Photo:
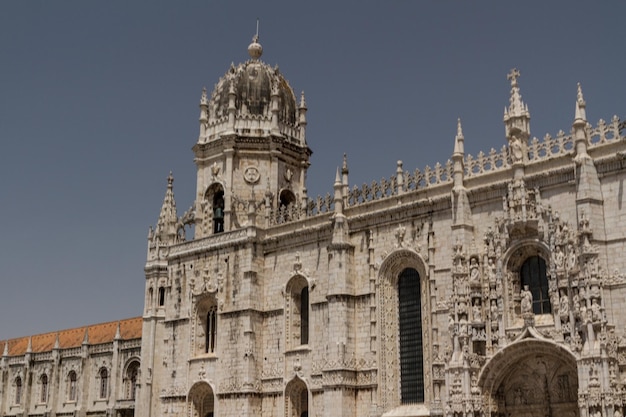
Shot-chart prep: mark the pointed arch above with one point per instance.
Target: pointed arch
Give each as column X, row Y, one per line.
column 297, row 402
column 402, row 320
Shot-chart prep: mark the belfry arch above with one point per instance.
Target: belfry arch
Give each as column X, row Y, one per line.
column 530, row 378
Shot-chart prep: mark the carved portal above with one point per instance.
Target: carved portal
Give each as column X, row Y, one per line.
column 531, row 378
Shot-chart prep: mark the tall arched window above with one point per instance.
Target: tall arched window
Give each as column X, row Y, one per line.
column 44, row 388
column 533, row 274
column 211, row 330
column 304, row 316
column 297, row 312
column 104, row 383
column 71, row 392
column 218, row 212
column 18, row 390
column 161, row 296
column 410, row 323
column 131, row 380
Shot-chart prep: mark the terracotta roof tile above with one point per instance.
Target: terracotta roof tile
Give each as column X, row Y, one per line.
column 70, row 338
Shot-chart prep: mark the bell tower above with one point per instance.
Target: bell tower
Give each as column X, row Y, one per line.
column 251, row 155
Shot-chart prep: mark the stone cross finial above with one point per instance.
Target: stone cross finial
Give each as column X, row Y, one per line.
column 512, row 76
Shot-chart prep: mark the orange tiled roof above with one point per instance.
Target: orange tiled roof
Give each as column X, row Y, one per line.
column 70, row 338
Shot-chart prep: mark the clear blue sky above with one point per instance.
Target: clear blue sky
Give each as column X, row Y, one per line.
column 99, row 101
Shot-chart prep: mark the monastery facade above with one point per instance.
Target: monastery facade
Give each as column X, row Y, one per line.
column 491, row 285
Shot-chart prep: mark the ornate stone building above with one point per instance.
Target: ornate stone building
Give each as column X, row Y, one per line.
column 491, row 285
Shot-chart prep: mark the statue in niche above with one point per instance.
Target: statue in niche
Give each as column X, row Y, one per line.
column 571, row 258
column 595, row 310
column 516, row 149
column 474, row 272
column 559, row 258
column 563, row 307
column 491, row 270
column 476, row 313
column 527, row 300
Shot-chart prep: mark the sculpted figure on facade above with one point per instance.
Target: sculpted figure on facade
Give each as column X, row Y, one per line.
column 474, row 271
column 526, row 300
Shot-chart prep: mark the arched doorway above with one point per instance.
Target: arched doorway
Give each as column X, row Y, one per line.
column 201, row 400
column 531, row 378
column 296, row 399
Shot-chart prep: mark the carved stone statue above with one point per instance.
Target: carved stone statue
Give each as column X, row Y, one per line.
column 516, row 149
column 474, row 272
column 559, row 258
column 527, row 300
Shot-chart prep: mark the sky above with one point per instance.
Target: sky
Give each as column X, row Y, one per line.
column 99, row 102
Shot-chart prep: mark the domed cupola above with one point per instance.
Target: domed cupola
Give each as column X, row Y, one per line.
column 252, row 155
column 252, row 99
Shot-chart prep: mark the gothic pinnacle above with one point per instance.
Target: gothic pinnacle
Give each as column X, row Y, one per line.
column 459, row 149
column 581, row 114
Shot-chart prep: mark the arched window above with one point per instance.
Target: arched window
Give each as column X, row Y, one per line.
column 218, row 212
column 533, row 274
column 211, row 330
column 71, row 393
column 132, row 373
column 161, row 296
column 410, row 323
column 18, row 390
column 150, row 296
column 104, row 383
column 297, row 312
column 44, row 388
column 287, row 198
column 304, row 316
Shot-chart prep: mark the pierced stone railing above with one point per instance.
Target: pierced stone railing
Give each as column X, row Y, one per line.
column 486, row 163
column 293, row 212
column 605, row 133
column 475, row 166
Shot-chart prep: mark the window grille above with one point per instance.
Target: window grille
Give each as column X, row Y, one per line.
column 411, row 353
column 304, row 316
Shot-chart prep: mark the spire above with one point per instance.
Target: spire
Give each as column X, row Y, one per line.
column 6, row 349
column 459, row 148
column 166, row 226
column 57, row 342
column 516, row 116
column 581, row 114
column 29, row 348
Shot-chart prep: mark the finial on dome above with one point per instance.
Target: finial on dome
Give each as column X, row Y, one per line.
column 255, row 50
